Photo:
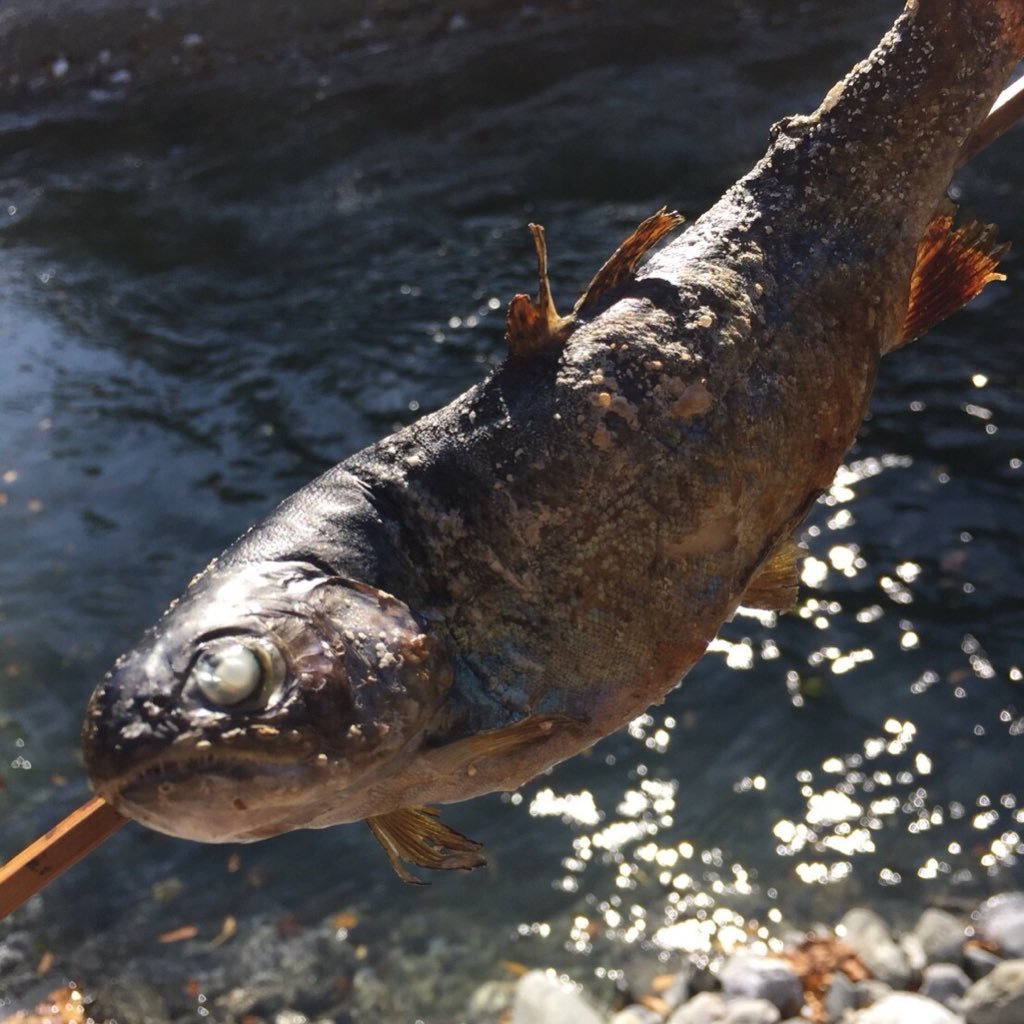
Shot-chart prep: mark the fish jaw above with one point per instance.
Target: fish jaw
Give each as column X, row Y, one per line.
column 233, row 798
column 353, row 681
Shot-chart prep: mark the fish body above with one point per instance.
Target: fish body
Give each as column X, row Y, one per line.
column 497, row 586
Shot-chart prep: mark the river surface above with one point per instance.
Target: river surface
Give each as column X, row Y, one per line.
column 231, row 257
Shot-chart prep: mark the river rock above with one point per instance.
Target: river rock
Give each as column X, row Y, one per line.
column 491, row 999
column 290, row 1017
column 17, row 955
column 872, row 941
column 998, row 998
column 637, row 1014
column 1000, row 920
column 940, row 936
column 678, row 990
column 129, row 999
column 758, row 977
column 703, row 1008
column 840, row 997
column 906, row 1008
column 978, row 961
column 751, row 1011
column 869, row 991
column 945, row 983
column 542, row 999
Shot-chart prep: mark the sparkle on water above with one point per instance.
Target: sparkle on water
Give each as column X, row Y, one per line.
column 669, row 890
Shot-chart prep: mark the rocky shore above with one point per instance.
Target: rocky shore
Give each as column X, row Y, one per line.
column 948, row 968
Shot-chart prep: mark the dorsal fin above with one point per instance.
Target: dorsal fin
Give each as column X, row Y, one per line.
column 776, row 585
column 416, row 835
column 953, row 265
column 621, row 265
column 532, row 326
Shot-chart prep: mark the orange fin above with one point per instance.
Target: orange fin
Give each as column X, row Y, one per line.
column 953, row 265
column 532, row 326
column 776, row 585
column 416, row 835
column 621, row 265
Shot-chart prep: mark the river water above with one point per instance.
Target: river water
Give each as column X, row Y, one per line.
column 231, row 254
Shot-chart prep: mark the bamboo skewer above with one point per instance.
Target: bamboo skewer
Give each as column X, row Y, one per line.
column 51, row 854
column 1007, row 110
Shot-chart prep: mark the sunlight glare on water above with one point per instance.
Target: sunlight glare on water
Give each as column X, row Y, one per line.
column 871, row 813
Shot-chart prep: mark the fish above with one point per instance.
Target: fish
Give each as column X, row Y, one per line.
column 499, row 585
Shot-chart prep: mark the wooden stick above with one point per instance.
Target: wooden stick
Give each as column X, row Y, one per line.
column 65, row 844
column 1007, row 110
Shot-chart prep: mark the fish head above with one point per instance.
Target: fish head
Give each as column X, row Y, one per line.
column 270, row 695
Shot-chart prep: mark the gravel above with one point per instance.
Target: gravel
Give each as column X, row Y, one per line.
column 855, row 973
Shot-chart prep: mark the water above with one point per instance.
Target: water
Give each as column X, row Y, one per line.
column 218, row 279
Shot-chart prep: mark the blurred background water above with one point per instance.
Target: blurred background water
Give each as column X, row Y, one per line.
column 236, row 248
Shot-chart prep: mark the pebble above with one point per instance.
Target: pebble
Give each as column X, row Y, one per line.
column 763, row 978
column 945, row 983
column 130, row 999
column 1000, row 920
column 542, row 999
column 998, row 998
column 841, row 996
column 491, row 999
column 16, row 955
column 680, row 989
column 872, row 941
column 979, row 961
column 751, row 1011
column 703, row 1008
column 290, row 1017
column 637, row 1014
column 870, row 991
column 906, row 1008
column 940, row 935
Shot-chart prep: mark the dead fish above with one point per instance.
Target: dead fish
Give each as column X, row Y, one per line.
column 509, row 579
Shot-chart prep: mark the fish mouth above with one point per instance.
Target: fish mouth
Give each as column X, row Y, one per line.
column 218, row 797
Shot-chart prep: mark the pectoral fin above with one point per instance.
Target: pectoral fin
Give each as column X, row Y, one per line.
column 462, row 754
column 417, row 835
column 953, row 265
column 776, row 585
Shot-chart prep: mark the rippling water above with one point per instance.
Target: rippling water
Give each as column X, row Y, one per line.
column 215, row 283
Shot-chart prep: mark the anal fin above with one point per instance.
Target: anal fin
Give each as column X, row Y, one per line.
column 416, row 835
column 776, row 586
column 953, row 265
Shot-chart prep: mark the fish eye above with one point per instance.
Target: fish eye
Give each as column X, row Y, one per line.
column 231, row 672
